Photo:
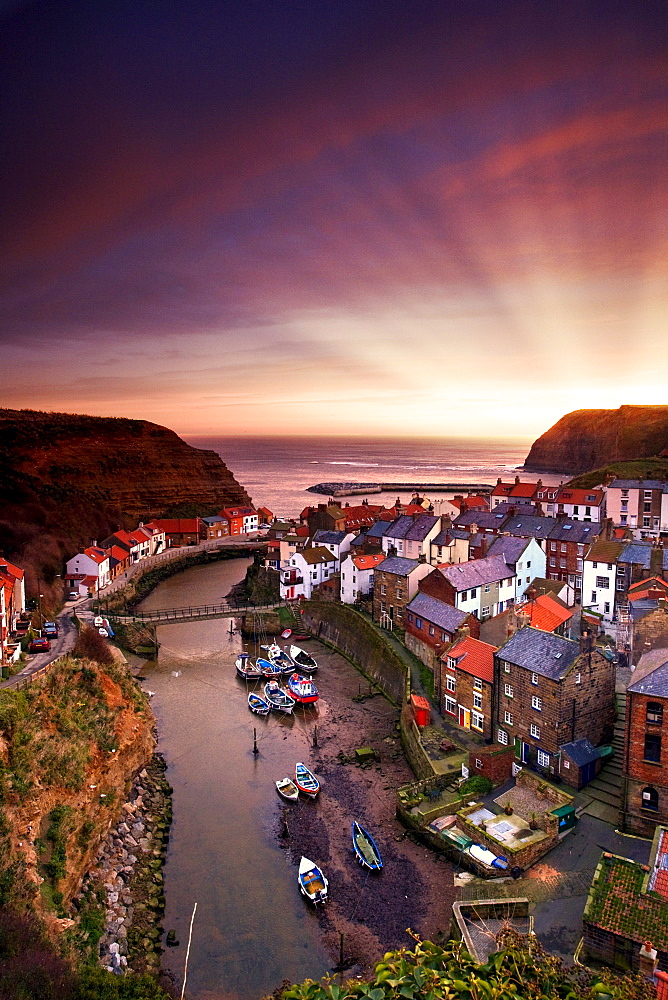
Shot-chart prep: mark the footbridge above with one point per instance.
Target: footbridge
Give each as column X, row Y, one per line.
column 172, row 616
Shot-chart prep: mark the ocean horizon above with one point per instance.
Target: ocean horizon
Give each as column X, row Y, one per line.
column 277, row 471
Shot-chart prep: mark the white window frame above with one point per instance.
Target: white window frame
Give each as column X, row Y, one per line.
column 537, row 703
column 502, row 738
column 534, row 678
column 507, row 718
column 543, row 759
column 477, row 720
column 534, row 730
column 508, row 691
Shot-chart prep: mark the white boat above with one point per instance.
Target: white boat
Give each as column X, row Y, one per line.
column 247, row 670
column 303, row 660
column 305, row 780
column 287, row 788
column 279, row 699
column 278, row 656
column 312, row 881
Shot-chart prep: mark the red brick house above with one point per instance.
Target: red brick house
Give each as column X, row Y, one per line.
column 180, row 530
column 645, row 767
column 329, row 517
column 241, row 520
column 467, row 681
column 431, row 625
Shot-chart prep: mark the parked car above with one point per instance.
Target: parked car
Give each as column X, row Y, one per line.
column 39, row 646
column 73, row 595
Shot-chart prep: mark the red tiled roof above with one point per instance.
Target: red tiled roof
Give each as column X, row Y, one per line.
column 469, row 503
column 661, row 883
column 473, row 656
column 647, row 584
column 11, row 569
column 369, row 562
column 97, row 555
column 178, row 525
column 118, row 553
column 545, row 613
column 567, row 494
column 523, row 490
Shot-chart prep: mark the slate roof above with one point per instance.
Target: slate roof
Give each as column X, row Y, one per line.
column 508, row 507
column 398, row 565
column 651, row 675
column 377, row 530
column 541, row 652
column 640, row 484
column 581, row 752
column 487, row 519
column 421, row 527
column 476, row 572
column 437, row 612
column 529, row 526
column 508, row 547
column 567, row 530
column 638, row 554
column 333, row 537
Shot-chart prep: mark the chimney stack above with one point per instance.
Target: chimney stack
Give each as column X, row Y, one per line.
column 647, row 960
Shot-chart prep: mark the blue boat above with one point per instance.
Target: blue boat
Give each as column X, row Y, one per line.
column 365, row 848
column 258, row 704
column 267, row 668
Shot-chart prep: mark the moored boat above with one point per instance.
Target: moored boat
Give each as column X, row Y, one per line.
column 279, row 699
column 302, row 689
column 312, row 881
column 287, row 788
column 365, row 848
column 268, row 668
column 303, row 660
column 305, row 780
column 257, row 704
column 280, row 658
column 245, row 669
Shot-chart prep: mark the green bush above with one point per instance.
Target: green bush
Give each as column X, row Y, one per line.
column 476, row 785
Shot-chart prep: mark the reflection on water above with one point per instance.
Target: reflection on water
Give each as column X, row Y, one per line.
column 252, row 929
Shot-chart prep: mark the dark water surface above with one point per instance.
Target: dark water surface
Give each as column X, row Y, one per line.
column 252, row 929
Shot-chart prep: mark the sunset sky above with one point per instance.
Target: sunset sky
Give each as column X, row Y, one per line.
column 336, row 216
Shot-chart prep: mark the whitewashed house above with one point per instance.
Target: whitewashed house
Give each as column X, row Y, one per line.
column 357, row 575
column 524, row 555
column 338, row 542
column 88, row 570
column 305, row 571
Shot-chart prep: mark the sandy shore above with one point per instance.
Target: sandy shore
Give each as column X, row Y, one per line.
column 415, row 888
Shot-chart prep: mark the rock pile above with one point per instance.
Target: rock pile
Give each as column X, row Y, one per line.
column 128, row 868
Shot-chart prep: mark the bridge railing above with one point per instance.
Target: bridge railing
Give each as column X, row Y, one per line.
column 197, row 611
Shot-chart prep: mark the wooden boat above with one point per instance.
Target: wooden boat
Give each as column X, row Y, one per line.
column 306, row 781
column 287, row 788
column 279, row 699
column 280, row 657
column 267, row 668
column 245, row 669
column 312, row 881
column 303, row 660
column 302, row 689
column 365, row 848
column 257, row 704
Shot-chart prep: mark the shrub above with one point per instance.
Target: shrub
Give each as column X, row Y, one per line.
column 90, row 645
column 476, row 785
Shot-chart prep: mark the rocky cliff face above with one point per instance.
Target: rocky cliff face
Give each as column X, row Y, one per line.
column 588, row 439
column 67, row 479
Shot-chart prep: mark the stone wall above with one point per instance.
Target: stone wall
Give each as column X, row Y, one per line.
column 355, row 638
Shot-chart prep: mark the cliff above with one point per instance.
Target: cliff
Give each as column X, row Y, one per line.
column 66, row 479
column 588, row 439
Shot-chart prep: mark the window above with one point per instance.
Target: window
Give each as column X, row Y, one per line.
column 562, row 564
column 507, row 718
column 534, row 678
column 418, row 622
column 450, row 706
column 654, row 713
column 383, row 589
column 478, row 764
column 553, row 562
column 477, row 684
column 652, row 751
column 502, row 737
column 506, row 668
column 646, row 522
column 650, row 799
column 564, row 547
column 431, row 630
column 537, row 703
column 410, row 616
column 383, row 608
column 399, row 593
column 465, row 594
column 595, row 564
column 593, row 597
column 602, row 582
column 508, row 690
column 451, row 683
column 477, row 700
column 543, row 759
column 473, row 593
column 578, row 678
column 477, row 720
column 606, row 608
column 553, row 546
column 567, row 764
column 535, row 731
column 485, row 612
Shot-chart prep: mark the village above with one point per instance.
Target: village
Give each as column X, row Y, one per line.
column 534, row 624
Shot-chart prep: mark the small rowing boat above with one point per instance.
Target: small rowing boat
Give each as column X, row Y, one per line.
column 306, row 781
column 278, row 698
column 303, row 660
column 268, row 668
column 245, row 669
column 365, row 848
column 312, row 881
column 280, row 657
column 302, row 689
column 257, row 704
column 287, row 788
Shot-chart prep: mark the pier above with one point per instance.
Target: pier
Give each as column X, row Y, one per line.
column 355, row 489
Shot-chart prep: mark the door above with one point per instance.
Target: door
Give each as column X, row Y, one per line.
column 464, row 717
column 587, row 773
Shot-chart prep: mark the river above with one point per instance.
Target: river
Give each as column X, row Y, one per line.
column 252, row 929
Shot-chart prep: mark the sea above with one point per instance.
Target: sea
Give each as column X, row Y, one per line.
column 277, row 471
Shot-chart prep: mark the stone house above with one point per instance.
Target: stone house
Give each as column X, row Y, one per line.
column 328, row 517
column 395, row 585
column 466, row 684
column 565, row 549
column 645, row 766
column 215, row 527
column 517, row 492
column 431, row 625
column 550, row 691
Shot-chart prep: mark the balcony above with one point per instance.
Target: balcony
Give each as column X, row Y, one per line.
column 291, row 579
